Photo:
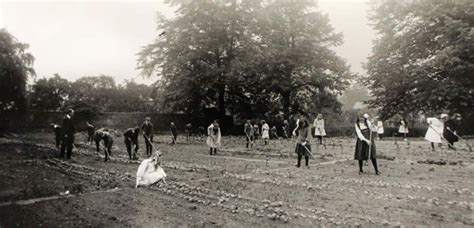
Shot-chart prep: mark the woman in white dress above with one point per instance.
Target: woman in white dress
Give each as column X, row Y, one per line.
column 265, row 132
column 319, row 130
column 213, row 138
column 435, row 130
column 150, row 172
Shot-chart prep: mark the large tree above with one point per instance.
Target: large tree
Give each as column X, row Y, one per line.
column 245, row 57
column 50, row 93
column 16, row 65
column 423, row 58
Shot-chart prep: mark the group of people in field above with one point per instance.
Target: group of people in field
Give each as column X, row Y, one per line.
column 442, row 128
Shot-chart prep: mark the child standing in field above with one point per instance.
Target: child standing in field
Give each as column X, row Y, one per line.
column 434, row 134
column 256, row 131
column 187, row 130
column 303, row 148
column 319, row 130
column 365, row 145
column 213, row 138
column 285, row 128
column 403, row 128
column 57, row 134
column 265, row 132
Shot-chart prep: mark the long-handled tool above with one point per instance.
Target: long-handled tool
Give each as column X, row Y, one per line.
column 461, row 139
column 441, row 135
column 151, row 143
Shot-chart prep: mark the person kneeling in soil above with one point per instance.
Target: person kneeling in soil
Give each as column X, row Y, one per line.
column 303, row 148
column 213, row 138
column 150, row 171
column 131, row 140
column 365, row 144
column 108, row 141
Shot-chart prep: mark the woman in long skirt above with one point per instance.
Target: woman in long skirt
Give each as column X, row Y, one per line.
column 450, row 130
column 365, row 144
column 303, row 148
column 213, row 138
column 319, row 130
column 434, row 134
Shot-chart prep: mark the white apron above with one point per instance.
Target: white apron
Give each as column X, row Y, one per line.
column 435, row 130
column 319, row 127
column 213, row 140
column 265, row 131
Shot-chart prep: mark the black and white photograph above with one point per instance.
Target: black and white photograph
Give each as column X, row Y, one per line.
column 236, row 113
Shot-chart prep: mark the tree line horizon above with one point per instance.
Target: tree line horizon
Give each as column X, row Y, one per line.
column 273, row 58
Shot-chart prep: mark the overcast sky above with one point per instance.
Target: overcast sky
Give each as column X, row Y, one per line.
column 78, row 38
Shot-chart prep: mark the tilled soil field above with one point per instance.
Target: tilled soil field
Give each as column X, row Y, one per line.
column 237, row 188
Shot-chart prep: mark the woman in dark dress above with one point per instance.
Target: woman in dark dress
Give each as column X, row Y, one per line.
column 365, row 142
column 450, row 130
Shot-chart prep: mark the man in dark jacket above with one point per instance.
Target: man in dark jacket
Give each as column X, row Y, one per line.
column 131, row 140
column 67, row 135
column 108, row 142
column 174, row 133
column 147, row 128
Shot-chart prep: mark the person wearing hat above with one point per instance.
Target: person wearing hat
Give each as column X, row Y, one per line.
column 434, row 134
column 450, row 129
column 365, row 143
column 403, row 128
column 67, row 138
column 213, row 137
column 249, row 134
column 147, row 131
column 131, row 140
column 319, row 130
column 265, row 132
column 303, row 148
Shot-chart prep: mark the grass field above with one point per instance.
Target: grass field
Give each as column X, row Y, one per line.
column 239, row 187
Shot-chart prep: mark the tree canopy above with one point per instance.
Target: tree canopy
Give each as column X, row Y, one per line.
column 423, row 58
column 246, row 58
column 16, row 65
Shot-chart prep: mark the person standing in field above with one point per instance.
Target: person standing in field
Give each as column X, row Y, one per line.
column 303, row 148
column 131, row 142
column 380, row 130
column 213, row 137
column 365, row 145
column 450, row 130
column 403, row 128
column 256, row 132
column 67, row 138
column 249, row 134
column 147, row 131
column 174, row 133
column 57, row 134
column 434, row 134
column 286, row 129
column 265, row 132
column 319, row 130
column 90, row 132
column 187, row 130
